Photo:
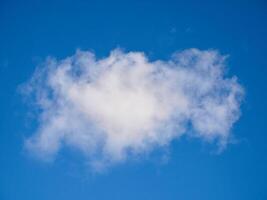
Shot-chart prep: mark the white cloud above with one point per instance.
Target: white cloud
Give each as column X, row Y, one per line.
column 124, row 105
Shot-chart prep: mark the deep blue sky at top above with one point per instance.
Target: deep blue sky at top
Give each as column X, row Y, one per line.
column 32, row 30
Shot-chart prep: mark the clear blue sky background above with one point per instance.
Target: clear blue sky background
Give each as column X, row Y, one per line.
column 32, row 30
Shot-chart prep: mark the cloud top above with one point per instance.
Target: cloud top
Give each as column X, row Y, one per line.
column 124, row 105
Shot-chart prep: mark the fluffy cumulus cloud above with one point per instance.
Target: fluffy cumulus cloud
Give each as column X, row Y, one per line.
column 124, row 105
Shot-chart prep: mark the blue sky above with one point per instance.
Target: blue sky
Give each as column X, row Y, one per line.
column 31, row 31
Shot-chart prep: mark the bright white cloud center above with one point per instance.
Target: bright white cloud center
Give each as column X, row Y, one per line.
column 125, row 105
